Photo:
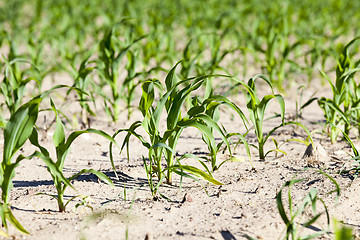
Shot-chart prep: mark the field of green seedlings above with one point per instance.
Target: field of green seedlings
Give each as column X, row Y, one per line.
column 217, row 100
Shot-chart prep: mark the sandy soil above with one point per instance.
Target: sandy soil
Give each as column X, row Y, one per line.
column 245, row 205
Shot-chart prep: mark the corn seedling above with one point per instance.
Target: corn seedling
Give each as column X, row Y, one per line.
column 257, row 109
column 17, row 131
column 82, row 82
column 164, row 145
column 111, row 56
column 62, row 147
column 295, row 211
column 14, row 83
column 340, row 110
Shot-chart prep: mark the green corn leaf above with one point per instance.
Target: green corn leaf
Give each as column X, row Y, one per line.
column 195, row 110
column 264, row 103
column 202, row 127
column 280, row 204
column 281, row 208
column 308, row 103
column 130, row 132
column 19, row 128
column 52, row 168
column 172, row 136
column 170, row 80
column 331, row 104
column 344, row 63
column 160, row 106
column 200, row 159
column 99, row 174
column 197, row 172
column 337, row 187
column 76, row 134
column 162, row 145
column 333, row 88
column 313, row 236
column 309, row 199
column 229, row 103
column 312, row 220
column 8, row 173
column 252, row 80
column 211, row 123
column 47, row 92
column 54, row 196
column 6, row 213
column 243, row 140
column 63, row 149
column 59, row 134
column 290, row 123
column 275, row 150
column 178, row 102
column 147, row 97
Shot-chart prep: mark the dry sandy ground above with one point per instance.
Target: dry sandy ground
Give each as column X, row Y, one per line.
column 245, row 205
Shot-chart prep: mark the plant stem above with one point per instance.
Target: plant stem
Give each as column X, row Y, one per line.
column 61, row 204
column 261, row 150
column 169, row 172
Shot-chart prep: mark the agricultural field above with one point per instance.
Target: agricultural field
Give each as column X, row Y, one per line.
column 180, row 119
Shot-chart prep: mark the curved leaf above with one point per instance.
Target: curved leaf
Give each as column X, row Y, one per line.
column 197, row 172
column 52, row 168
column 99, row 174
column 19, row 128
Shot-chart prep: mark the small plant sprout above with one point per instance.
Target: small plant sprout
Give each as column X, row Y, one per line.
column 257, row 107
column 109, row 66
column 297, row 211
column 18, row 129
column 83, row 81
column 62, row 147
column 13, row 86
column 343, row 109
column 163, row 145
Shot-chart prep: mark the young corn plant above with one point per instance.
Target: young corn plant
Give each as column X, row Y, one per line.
column 343, row 109
column 112, row 54
column 15, row 81
column 163, row 145
column 83, row 81
column 296, row 211
column 17, row 131
column 257, row 107
column 62, row 147
column 211, row 107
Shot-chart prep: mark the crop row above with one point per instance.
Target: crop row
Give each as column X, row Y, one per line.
column 170, row 59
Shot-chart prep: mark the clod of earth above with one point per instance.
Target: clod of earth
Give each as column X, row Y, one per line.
column 187, row 198
column 316, row 155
